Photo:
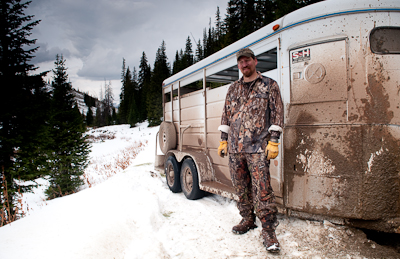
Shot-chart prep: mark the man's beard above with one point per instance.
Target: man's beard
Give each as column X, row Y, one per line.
column 247, row 72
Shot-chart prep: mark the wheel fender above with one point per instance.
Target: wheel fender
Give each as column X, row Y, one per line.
column 201, row 160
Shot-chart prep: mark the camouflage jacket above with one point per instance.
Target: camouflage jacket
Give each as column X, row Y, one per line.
column 250, row 109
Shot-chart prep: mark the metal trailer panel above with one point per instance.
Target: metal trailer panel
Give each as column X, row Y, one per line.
column 213, row 140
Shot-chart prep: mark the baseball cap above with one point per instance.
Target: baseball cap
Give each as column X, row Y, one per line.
column 244, row 52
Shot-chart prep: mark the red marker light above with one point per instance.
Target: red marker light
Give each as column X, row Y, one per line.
column 276, row 26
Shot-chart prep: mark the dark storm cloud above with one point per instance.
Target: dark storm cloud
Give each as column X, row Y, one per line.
column 96, row 35
column 44, row 54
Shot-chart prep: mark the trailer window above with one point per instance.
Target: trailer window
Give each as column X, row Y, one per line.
column 267, row 61
column 167, row 97
column 385, row 40
column 223, row 77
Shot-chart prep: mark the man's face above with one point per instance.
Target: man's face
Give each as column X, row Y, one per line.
column 247, row 65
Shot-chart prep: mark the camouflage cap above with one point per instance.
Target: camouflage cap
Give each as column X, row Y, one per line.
column 244, row 52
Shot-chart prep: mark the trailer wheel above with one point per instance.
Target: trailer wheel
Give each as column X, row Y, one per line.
column 167, row 136
column 172, row 171
column 190, row 180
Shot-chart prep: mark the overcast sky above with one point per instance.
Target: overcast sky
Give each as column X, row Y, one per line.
column 94, row 35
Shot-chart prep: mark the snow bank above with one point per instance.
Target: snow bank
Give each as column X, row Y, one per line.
column 133, row 214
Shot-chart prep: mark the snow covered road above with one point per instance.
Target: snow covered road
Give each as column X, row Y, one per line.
column 134, row 215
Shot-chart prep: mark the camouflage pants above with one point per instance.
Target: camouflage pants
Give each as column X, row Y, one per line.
column 252, row 181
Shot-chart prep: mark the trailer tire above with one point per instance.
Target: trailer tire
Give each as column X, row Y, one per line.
column 167, row 136
column 190, row 180
column 172, row 171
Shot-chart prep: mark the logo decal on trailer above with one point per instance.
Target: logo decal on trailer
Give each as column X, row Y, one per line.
column 315, row 73
column 301, row 55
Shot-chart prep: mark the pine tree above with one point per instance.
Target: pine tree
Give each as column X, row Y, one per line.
column 160, row 73
column 188, row 55
column 89, row 100
column 124, row 102
column 68, row 145
column 108, row 103
column 177, row 64
column 114, row 115
column 23, row 105
column 144, row 78
column 246, row 16
column 131, row 95
column 218, row 25
column 136, row 100
column 241, row 19
column 211, row 39
column 122, row 112
column 205, row 45
column 128, row 109
column 98, row 118
column 199, row 51
column 89, row 117
column 132, row 115
column 123, row 70
column 209, row 44
column 249, row 19
column 233, row 20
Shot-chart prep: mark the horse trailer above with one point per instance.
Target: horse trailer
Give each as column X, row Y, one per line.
column 337, row 65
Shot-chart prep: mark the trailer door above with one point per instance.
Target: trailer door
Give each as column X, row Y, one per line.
column 315, row 118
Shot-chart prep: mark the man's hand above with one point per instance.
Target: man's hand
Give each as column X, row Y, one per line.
column 223, row 148
column 272, row 150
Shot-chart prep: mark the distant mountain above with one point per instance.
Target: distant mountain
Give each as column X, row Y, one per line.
column 85, row 101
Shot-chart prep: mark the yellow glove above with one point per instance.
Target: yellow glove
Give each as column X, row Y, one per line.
column 223, row 148
column 272, row 150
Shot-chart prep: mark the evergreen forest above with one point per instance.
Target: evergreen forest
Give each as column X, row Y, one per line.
column 140, row 97
column 41, row 126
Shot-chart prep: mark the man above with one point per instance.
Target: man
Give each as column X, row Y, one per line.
column 250, row 128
